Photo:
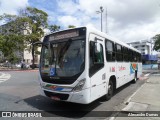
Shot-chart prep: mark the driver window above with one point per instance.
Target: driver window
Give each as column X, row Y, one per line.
column 45, row 60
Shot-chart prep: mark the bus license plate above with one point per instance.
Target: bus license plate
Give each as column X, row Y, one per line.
column 55, row 98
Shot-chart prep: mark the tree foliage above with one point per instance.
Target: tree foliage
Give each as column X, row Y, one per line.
column 54, row 28
column 10, row 44
column 7, row 17
column 71, row 26
column 24, row 29
column 156, row 38
column 37, row 20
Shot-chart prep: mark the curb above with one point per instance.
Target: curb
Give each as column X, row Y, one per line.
column 18, row 70
column 129, row 99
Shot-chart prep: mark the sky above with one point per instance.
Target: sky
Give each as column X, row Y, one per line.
column 127, row 20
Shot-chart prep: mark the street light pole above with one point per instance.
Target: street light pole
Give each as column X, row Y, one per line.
column 101, row 8
column 101, row 11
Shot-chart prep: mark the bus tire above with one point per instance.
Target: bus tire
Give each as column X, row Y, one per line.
column 110, row 90
column 135, row 78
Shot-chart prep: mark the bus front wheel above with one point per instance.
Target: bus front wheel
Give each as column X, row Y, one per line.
column 110, row 90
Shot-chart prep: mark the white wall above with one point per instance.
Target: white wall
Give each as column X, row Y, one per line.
column 28, row 57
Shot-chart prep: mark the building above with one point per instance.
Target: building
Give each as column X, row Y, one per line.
column 144, row 46
column 146, row 49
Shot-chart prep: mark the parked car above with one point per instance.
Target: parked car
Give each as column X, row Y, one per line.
column 24, row 65
column 18, row 65
column 27, row 66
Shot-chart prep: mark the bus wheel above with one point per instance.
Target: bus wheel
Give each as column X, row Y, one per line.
column 110, row 90
column 135, row 77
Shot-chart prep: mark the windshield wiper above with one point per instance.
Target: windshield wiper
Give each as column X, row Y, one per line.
column 64, row 50
column 59, row 56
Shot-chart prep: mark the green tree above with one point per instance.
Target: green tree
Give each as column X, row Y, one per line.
column 8, row 17
column 31, row 20
column 11, row 37
column 54, row 28
column 1, row 42
column 71, row 26
column 10, row 44
column 37, row 22
column 13, row 58
column 156, row 38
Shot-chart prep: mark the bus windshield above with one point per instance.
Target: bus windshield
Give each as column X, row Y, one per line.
column 66, row 58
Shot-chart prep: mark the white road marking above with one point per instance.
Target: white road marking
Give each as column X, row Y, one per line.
column 146, row 75
column 4, row 77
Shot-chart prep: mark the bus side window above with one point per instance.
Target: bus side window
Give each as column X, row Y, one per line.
column 130, row 55
column 96, row 57
column 135, row 57
column 119, row 52
column 110, row 53
column 126, row 57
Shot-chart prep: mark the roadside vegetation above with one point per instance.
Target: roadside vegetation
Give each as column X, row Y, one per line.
column 22, row 31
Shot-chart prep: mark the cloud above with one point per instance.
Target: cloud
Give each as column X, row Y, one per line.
column 138, row 32
column 126, row 20
column 135, row 12
column 12, row 6
column 74, row 13
column 70, row 7
column 69, row 20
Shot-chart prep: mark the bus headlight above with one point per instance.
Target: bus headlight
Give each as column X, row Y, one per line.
column 42, row 84
column 80, row 85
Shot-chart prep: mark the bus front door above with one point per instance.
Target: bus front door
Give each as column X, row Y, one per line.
column 97, row 67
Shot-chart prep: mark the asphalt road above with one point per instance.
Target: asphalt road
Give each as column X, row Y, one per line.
column 21, row 93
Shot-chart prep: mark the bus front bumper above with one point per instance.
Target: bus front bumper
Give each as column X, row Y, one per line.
column 82, row 96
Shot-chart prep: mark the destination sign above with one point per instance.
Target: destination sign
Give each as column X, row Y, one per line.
column 64, row 34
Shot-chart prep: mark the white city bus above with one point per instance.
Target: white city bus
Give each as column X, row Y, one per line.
column 83, row 64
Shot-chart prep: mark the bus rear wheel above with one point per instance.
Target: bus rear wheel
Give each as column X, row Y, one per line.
column 110, row 90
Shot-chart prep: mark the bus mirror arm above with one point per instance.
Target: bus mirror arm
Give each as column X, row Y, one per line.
column 33, row 50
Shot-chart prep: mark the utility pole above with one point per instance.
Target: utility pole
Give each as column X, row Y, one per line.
column 106, row 21
column 101, row 11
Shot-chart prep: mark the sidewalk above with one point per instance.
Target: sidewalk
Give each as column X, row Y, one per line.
column 151, row 71
column 145, row 101
column 17, row 69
